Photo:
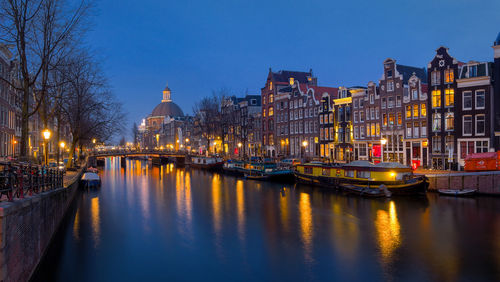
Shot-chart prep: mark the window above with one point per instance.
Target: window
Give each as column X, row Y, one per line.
column 372, row 129
column 423, row 129
column 398, row 101
column 384, row 117
column 264, row 112
column 480, row 125
column 408, row 130
column 436, row 77
column 400, row 119
column 377, row 113
column 292, row 80
column 436, row 122
column 406, row 94
column 355, row 103
column 467, row 100
column 326, row 133
column 390, row 86
column 372, row 100
column 362, row 132
column 372, row 113
column 466, row 148
column 361, row 103
column 361, row 116
column 390, row 102
column 436, row 144
column 448, row 76
column 415, row 129
column 263, row 100
column 377, row 127
column 449, row 143
column 271, row 98
column 330, row 117
column 436, row 98
column 415, row 111
column 367, row 116
column 355, row 117
column 389, row 73
column 423, row 110
column 368, row 130
column 341, row 135
column 391, row 119
column 449, row 97
column 482, row 146
column 356, row 132
column 467, row 125
column 449, row 119
column 414, row 94
column 383, row 103
column 480, row 99
column 271, row 111
column 270, row 87
column 347, row 113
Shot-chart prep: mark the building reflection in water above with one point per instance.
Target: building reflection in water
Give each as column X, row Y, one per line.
column 96, row 220
column 240, row 204
column 345, row 229
column 306, row 225
column 388, row 232
column 184, row 201
column 76, row 225
column 284, row 213
column 216, row 203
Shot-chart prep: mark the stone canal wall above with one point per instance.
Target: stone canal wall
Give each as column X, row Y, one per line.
column 27, row 227
column 484, row 182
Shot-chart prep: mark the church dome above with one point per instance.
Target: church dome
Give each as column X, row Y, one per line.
column 167, row 107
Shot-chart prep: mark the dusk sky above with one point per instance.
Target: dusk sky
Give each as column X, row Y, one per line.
column 200, row 46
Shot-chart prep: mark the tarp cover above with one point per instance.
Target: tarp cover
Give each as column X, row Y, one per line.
column 488, row 155
column 90, row 176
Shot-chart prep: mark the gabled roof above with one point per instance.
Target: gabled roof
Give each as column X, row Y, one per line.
column 319, row 91
column 284, row 76
column 407, row 72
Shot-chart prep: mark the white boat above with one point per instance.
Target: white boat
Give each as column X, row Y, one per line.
column 91, row 179
column 457, row 193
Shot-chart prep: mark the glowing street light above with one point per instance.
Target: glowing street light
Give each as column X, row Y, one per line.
column 93, row 141
column 304, row 143
column 187, row 140
column 46, row 136
column 62, row 145
column 239, row 145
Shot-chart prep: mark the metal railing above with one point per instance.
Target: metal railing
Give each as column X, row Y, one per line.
column 20, row 179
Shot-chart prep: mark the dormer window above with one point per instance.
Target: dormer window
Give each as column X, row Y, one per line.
column 389, row 73
column 292, row 80
column 270, row 85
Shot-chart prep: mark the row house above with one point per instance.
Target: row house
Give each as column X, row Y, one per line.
column 249, row 109
column 274, row 83
column 496, row 91
column 342, row 134
column 442, row 72
column 10, row 106
column 326, row 127
column 474, row 110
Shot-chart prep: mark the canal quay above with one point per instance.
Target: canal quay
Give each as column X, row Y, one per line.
column 157, row 223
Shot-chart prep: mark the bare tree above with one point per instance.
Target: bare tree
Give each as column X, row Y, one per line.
column 135, row 134
column 41, row 31
column 89, row 107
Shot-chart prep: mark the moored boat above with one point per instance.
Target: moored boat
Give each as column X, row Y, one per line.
column 234, row 167
column 209, row 163
column 256, row 175
column 398, row 179
column 457, row 193
column 91, row 180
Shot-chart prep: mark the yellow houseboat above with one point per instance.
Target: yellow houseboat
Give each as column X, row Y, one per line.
column 398, row 179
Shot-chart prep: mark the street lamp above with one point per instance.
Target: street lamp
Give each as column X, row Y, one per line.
column 46, row 135
column 304, row 144
column 62, row 145
column 383, row 141
column 93, row 141
column 187, row 140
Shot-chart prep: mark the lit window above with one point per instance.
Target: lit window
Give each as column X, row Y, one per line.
column 270, row 86
column 408, row 112
column 448, row 76
column 391, row 119
column 373, row 129
column 436, row 144
column 271, row 98
column 449, row 97
column 378, row 129
column 415, row 111
column 449, row 121
column 271, row 111
column 436, row 98
column 400, row 119
column 292, row 80
column 385, row 119
column 467, row 100
column 480, row 99
column 423, row 110
column 264, row 112
column 449, row 143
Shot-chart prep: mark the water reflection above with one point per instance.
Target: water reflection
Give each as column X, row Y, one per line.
column 388, row 232
column 184, row 224
column 306, row 225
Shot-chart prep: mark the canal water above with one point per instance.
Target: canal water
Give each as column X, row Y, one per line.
column 157, row 224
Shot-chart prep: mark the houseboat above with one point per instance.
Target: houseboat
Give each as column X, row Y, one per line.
column 209, row 163
column 399, row 179
column 234, row 167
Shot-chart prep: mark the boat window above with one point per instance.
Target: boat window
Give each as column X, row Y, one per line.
column 326, row 171
column 363, row 174
column 308, row 170
column 349, row 173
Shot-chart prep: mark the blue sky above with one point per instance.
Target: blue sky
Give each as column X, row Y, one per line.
column 200, row 46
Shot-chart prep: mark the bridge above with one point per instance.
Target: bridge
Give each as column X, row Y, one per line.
column 157, row 156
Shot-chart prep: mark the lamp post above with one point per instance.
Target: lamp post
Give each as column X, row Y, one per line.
column 46, row 136
column 239, row 149
column 14, row 148
column 62, row 145
column 383, row 141
column 304, row 145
